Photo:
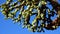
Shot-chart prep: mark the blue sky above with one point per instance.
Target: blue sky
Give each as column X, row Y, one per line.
column 7, row 26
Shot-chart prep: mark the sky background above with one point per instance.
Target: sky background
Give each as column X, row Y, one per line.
column 7, row 26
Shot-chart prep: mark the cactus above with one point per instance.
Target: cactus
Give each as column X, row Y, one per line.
column 10, row 9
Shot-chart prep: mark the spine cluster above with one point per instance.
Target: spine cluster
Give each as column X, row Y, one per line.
column 10, row 9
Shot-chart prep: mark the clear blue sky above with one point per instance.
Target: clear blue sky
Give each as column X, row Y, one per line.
column 7, row 26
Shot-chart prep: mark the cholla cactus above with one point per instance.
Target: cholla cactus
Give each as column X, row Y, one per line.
column 10, row 9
